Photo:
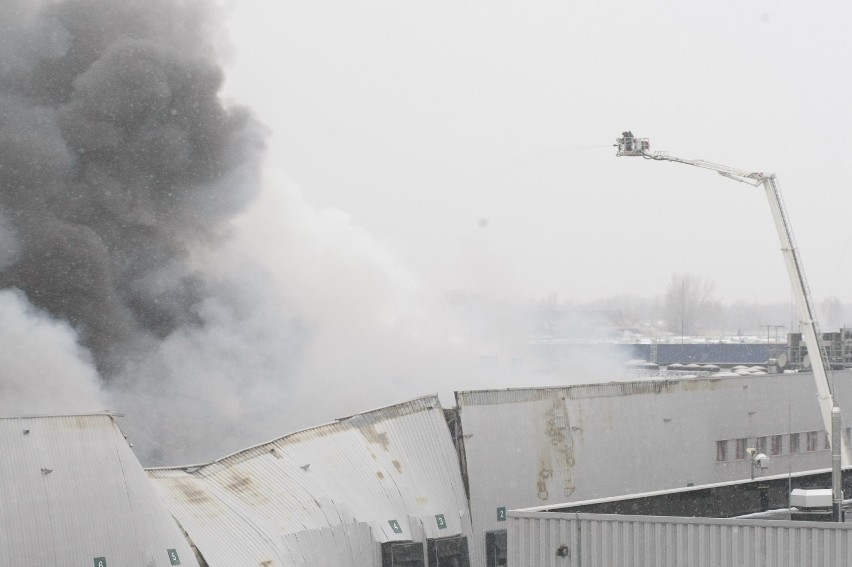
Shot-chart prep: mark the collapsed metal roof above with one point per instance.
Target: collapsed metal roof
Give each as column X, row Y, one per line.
column 73, row 493
column 326, row 495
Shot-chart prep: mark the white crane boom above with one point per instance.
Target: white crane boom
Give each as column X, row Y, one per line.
column 628, row 145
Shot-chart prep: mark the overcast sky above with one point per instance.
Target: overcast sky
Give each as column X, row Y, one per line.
column 474, row 140
column 413, row 149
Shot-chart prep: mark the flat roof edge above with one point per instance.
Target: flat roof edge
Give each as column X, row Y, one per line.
column 107, row 413
column 278, row 438
column 581, row 516
column 679, row 490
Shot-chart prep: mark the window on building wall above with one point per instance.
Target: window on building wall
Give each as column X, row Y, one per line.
column 775, row 446
column 811, row 441
column 741, row 448
column 794, row 443
column 721, row 450
column 761, row 445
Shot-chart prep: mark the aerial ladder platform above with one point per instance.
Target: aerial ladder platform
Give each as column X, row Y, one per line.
column 629, row 145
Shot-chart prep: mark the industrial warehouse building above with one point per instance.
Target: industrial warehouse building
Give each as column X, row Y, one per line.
column 406, row 485
column 546, row 446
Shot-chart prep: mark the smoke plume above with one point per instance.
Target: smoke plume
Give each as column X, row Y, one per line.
column 118, row 163
column 125, row 185
column 147, row 267
column 32, row 382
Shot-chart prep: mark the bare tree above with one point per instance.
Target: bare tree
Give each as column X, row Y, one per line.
column 688, row 305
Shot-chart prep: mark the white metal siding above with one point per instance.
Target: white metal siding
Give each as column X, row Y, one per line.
column 538, row 446
column 276, row 499
column 71, row 490
column 595, row 540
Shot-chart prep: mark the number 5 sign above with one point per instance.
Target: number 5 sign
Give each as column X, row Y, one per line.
column 100, row 562
column 173, row 556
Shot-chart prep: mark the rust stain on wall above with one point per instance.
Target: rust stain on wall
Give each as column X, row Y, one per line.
column 192, row 493
column 556, row 454
column 245, row 487
column 375, row 437
column 75, row 422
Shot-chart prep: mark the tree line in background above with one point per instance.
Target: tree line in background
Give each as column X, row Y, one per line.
column 688, row 307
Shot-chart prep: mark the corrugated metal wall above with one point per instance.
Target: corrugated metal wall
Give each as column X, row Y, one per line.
column 544, row 539
column 328, row 495
column 73, row 493
column 547, row 446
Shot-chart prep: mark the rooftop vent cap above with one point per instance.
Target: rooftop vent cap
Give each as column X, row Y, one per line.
column 811, row 498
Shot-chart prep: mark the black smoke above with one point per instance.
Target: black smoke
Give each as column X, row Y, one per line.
column 119, row 162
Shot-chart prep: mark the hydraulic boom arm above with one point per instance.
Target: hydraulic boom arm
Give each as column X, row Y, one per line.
column 628, row 145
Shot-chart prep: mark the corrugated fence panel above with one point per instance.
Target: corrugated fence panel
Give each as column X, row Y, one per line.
column 592, row 540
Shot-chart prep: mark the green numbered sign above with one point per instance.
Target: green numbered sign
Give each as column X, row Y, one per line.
column 397, row 529
column 100, row 562
column 173, row 556
column 442, row 523
column 501, row 514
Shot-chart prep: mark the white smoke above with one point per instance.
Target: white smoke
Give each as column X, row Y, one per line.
column 309, row 318
column 43, row 370
column 220, row 310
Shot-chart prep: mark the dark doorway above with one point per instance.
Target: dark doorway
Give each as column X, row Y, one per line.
column 448, row 552
column 495, row 549
column 402, row 554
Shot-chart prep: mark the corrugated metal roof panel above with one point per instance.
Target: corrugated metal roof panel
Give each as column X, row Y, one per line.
column 72, row 491
column 216, row 523
column 393, row 469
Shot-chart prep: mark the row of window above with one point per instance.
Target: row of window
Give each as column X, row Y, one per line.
column 774, row 445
